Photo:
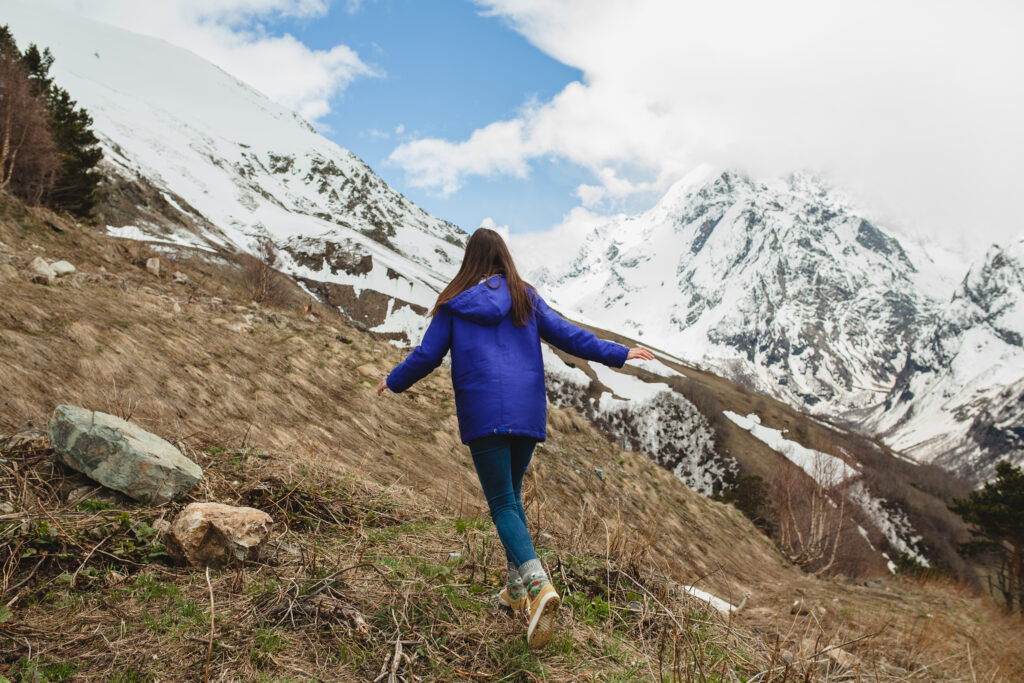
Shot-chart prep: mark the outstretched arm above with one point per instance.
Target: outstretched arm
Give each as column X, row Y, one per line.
column 555, row 330
column 424, row 357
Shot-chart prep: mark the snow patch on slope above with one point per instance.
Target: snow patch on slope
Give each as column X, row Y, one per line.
column 827, row 470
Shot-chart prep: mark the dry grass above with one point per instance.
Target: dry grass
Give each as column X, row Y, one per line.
column 370, row 497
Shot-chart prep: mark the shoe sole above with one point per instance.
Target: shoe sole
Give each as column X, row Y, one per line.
column 542, row 624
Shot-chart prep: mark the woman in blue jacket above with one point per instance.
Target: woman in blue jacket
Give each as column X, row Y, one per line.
column 493, row 323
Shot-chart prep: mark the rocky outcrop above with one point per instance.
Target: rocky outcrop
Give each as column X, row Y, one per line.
column 121, row 455
column 216, row 535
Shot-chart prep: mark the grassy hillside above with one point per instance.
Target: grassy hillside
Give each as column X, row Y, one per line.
column 383, row 563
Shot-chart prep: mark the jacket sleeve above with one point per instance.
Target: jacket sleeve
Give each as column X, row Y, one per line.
column 426, row 356
column 575, row 340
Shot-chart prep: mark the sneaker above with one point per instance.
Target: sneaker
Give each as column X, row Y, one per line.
column 542, row 616
column 508, row 601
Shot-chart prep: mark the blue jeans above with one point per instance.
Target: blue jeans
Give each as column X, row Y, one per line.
column 501, row 462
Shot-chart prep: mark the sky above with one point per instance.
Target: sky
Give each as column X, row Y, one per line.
column 530, row 115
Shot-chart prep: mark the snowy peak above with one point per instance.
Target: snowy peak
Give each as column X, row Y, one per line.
column 992, row 294
column 782, row 277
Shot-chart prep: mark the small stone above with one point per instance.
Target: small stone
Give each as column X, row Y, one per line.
column 600, row 473
column 121, row 455
column 115, row 578
column 216, row 301
column 61, row 268
column 215, row 535
column 239, row 309
column 176, row 307
column 153, row 266
column 42, row 271
column 6, row 508
column 219, row 321
column 179, row 278
column 369, row 370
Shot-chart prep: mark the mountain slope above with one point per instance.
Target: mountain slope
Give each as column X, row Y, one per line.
column 196, row 157
column 381, row 542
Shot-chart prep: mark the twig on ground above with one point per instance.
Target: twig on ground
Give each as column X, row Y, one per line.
column 209, row 645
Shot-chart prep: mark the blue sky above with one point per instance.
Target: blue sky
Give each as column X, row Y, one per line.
column 448, row 70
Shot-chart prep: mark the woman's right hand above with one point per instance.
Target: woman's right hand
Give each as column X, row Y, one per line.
column 641, row 353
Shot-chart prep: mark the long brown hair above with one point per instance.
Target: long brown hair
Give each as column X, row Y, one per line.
column 487, row 255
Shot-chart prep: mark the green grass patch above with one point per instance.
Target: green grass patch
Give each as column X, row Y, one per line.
column 93, row 505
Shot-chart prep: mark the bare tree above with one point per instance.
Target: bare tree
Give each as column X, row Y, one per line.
column 262, row 279
column 810, row 516
column 28, row 156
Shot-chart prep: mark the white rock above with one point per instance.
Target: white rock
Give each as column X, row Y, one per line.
column 62, row 268
column 42, row 271
column 180, row 277
column 153, row 266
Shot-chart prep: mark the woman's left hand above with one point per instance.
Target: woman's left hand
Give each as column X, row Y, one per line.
column 641, row 353
column 382, row 385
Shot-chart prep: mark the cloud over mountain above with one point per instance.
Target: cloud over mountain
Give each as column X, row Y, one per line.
column 915, row 108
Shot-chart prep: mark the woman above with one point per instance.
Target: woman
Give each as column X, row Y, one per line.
column 493, row 323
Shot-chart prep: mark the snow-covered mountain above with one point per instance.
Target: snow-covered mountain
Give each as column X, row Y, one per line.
column 959, row 401
column 199, row 158
column 790, row 288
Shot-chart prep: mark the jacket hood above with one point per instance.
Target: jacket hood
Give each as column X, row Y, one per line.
column 485, row 304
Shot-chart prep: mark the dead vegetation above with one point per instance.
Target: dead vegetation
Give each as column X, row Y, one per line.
column 383, row 563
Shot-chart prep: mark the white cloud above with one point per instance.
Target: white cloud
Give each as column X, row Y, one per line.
column 561, row 244
column 233, row 34
column 914, row 107
column 442, row 165
column 502, row 230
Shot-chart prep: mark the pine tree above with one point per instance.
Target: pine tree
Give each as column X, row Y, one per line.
column 996, row 516
column 79, row 150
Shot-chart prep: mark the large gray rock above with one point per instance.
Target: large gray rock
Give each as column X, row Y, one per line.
column 121, row 455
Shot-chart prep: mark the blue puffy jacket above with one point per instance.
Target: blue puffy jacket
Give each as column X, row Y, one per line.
column 497, row 368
